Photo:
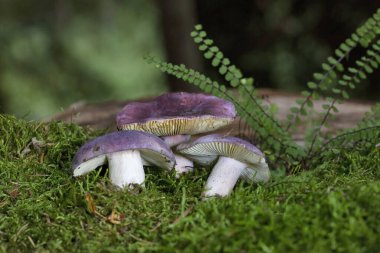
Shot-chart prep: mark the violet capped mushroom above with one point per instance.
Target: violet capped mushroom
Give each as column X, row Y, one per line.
column 126, row 153
column 175, row 116
column 235, row 158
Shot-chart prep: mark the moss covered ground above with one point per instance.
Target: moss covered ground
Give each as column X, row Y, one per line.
column 332, row 208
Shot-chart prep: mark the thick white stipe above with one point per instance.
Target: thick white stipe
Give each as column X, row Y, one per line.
column 183, row 165
column 174, row 140
column 223, row 177
column 126, row 168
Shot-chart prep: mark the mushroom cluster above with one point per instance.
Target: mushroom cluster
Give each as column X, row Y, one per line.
column 175, row 117
column 160, row 132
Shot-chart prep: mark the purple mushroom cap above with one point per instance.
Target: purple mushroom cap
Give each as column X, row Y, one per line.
column 209, row 147
column 177, row 113
column 152, row 148
column 206, row 150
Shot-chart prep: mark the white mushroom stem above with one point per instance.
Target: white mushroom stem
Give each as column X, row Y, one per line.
column 261, row 172
column 126, row 168
column 174, row 140
column 183, row 165
column 223, row 177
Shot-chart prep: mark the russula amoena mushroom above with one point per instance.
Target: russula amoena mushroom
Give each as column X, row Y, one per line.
column 235, row 158
column 126, row 153
column 175, row 116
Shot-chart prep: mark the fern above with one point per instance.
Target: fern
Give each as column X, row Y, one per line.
column 355, row 75
column 334, row 84
column 365, row 136
column 264, row 123
column 334, row 70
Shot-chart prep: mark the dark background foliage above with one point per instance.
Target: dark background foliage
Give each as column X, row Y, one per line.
column 55, row 53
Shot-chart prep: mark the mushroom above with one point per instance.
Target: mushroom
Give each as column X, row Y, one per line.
column 175, row 116
column 235, row 158
column 126, row 153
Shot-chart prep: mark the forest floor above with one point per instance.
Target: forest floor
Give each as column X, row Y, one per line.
column 334, row 207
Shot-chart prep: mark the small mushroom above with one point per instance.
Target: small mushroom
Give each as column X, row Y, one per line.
column 235, row 158
column 126, row 153
column 175, row 116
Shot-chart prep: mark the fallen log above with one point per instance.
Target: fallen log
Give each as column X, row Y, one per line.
column 102, row 115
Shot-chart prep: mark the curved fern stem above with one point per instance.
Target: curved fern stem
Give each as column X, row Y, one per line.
column 318, row 131
column 344, row 135
column 216, row 57
column 262, row 109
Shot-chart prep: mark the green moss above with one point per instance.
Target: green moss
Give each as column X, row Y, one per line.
column 335, row 207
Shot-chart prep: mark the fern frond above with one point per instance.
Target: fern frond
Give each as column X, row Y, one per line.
column 361, row 138
column 333, row 83
column 371, row 118
column 369, row 134
column 268, row 126
column 333, row 68
column 355, row 75
column 365, row 136
column 230, row 72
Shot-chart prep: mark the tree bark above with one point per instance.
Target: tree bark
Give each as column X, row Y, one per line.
column 178, row 18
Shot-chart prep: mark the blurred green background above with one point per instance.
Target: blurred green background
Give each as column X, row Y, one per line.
column 55, row 53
